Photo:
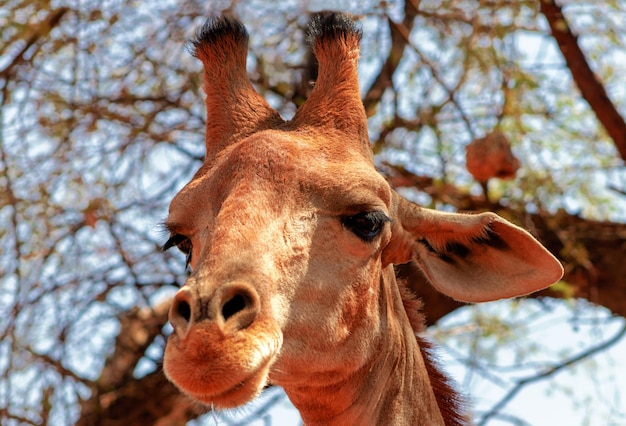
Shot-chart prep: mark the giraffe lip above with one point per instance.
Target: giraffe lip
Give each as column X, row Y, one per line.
column 243, row 391
column 222, row 370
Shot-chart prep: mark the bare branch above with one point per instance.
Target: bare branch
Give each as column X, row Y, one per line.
column 35, row 33
column 590, row 87
column 550, row 371
column 138, row 329
column 399, row 41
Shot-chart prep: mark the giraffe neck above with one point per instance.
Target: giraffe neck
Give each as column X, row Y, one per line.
column 390, row 387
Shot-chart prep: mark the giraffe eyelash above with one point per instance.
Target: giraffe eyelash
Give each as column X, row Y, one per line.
column 183, row 244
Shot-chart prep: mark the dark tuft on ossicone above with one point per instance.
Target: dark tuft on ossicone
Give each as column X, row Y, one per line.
column 332, row 25
column 218, row 29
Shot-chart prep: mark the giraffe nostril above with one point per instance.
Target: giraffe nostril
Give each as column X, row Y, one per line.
column 181, row 312
column 236, row 304
column 184, row 310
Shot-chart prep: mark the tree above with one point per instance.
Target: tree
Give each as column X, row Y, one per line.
column 102, row 121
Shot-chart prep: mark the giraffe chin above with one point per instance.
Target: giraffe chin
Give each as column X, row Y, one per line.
column 221, row 371
column 243, row 392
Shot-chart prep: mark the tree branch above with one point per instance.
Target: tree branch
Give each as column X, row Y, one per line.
column 36, row 32
column 118, row 397
column 399, row 41
column 550, row 371
column 591, row 89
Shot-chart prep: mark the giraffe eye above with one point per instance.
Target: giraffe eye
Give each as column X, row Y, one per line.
column 366, row 225
column 182, row 243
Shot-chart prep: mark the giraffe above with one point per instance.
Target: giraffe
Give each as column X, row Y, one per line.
column 292, row 235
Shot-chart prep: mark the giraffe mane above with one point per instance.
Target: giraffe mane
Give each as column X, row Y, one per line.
column 451, row 404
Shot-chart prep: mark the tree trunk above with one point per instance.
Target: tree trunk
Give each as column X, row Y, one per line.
column 590, row 87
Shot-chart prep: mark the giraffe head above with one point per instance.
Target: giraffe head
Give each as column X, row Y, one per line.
column 292, row 234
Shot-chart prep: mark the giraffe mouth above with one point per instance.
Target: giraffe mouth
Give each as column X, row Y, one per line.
column 241, row 393
column 221, row 370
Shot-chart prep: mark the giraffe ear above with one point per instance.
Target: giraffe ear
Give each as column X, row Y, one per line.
column 470, row 257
